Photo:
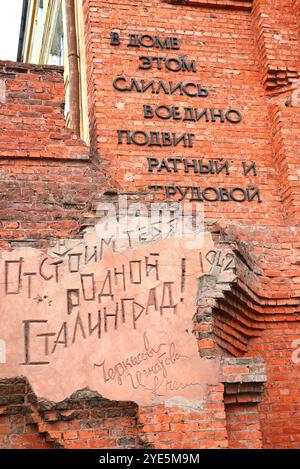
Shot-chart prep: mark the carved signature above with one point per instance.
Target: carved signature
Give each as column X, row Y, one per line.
column 153, row 377
column 122, row 368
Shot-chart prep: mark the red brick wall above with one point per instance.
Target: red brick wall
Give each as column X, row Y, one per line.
column 41, row 197
column 184, row 428
column 243, row 427
column 279, row 411
column 276, row 31
column 32, row 118
column 222, row 42
column 85, row 420
column 249, row 60
column 15, row 430
column 16, row 434
column 285, row 122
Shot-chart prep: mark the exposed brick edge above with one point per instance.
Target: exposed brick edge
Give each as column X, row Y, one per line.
column 85, row 419
column 244, row 380
column 9, row 68
column 279, row 77
column 230, row 312
column 296, row 5
column 273, row 75
column 223, row 4
column 64, row 144
column 281, row 106
column 20, row 399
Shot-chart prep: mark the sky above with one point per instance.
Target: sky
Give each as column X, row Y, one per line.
column 10, row 19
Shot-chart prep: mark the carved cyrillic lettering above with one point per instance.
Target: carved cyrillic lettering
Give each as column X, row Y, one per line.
column 106, row 290
column 117, row 84
column 189, row 114
column 148, row 111
column 249, row 167
column 183, row 192
column 233, row 116
column 145, row 63
column 155, row 139
column 140, row 138
column 133, row 40
column 120, row 137
column 253, row 192
column 234, row 194
column 217, row 115
column 152, row 163
column 114, row 39
column 167, row 298
column 188, row 165
column 73, row 300
column 220, row 166
column 206, row 168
